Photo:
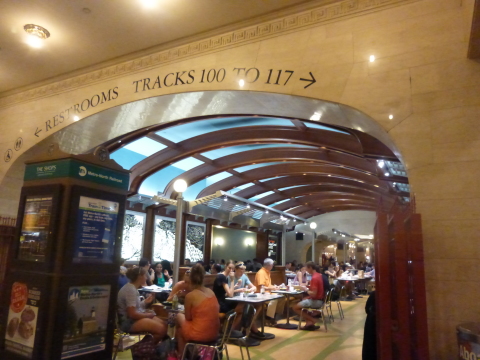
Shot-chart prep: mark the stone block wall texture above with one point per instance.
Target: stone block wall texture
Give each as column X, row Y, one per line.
column 421, row 76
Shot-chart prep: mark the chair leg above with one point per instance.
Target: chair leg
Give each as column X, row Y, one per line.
column 241, row 352
column 300, row 319
column 226, row 351
column 324, row 322
column 248, row 353
column 340, row 310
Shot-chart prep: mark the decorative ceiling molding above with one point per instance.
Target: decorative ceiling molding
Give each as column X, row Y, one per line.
column 289, row 23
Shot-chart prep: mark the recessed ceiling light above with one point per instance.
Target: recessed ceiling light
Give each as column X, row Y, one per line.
column 390, row 116
column 76, row 118
column 241, row 82
column 372, row 58
column 149, row 4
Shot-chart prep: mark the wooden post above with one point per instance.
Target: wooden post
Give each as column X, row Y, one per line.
column 147, row 251
column 207, row 248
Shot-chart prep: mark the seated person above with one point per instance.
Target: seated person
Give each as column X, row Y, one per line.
column 314, row 299
column 301, row 276
column 160, row 277
column 132, row 315
column 200, row 321
column 181, row 288
column 371, row 272
column 145, row 263
column 241, row 281
column 222, row 289
column 289, row 267
column 263, row 278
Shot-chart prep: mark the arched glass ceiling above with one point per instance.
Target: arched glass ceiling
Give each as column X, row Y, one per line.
column 236, row 157
column 186, row 131
column 230, row 150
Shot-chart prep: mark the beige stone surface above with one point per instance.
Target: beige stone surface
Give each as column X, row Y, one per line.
column 421, row 76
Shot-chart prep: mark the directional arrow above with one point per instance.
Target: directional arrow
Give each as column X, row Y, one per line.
column 37, row 131
column 312, row 80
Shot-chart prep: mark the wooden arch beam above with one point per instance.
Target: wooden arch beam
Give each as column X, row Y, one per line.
column 230, row 162
column 309, row 179
column 313, row 190
column 319, row 198
column 315, row 212
column 239, row 136
column 331, row 207
column 286, row 169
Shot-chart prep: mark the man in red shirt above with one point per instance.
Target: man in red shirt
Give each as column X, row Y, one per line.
column 314, row 299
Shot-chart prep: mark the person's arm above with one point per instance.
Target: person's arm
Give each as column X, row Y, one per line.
column 135, row 315
column 229, row 289
column 300, row 277
column 131, row 306
column 166, row 276
column 238, row 286
column 249, row 284
column 178, row 286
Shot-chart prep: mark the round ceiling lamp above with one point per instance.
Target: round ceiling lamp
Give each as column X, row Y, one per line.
column 36, row 34
column 313, row 225
column 180, row 185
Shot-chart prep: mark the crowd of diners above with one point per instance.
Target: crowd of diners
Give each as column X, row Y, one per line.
column 200, row 321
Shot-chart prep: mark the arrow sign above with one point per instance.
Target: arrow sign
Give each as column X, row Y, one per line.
column 312, row 80
column 37, row 131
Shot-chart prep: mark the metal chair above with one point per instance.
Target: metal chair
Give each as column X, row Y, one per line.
column 320, row 310
column 247, row 322
column 216, row 346
column 340, row 308
column 125, row 341
column 328, row 305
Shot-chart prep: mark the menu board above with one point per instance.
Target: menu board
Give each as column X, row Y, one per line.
column 35, row 227
column 86, row 320
column 96, row 228
column 25, row 301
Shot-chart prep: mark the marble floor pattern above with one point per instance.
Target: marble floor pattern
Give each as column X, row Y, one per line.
column 342, row 341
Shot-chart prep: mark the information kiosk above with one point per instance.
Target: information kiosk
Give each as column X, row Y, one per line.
column 61, row 287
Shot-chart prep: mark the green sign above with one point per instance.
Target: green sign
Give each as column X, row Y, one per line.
column 79, row 170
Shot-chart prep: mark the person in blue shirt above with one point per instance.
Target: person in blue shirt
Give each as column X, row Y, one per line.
column 241, row 281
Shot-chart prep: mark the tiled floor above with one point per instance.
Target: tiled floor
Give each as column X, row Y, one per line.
column 342, row 341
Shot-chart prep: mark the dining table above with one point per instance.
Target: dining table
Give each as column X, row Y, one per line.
column 257, row 299
column 288, row 294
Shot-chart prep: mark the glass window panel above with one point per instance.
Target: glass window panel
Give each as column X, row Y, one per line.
column 322, row 127
column 195, row 241
column 164, row 242
column 259, row 196
column 196, row 128
column 126, row 158
column 188, row 163
column 133, row 236
column 145, row 146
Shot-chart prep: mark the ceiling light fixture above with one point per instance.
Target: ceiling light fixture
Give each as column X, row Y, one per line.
column 381, row 164
column 390, row 117
column 225, row 198
column 241, row 82
column 372, row 58
column 37, row 34
column 266, row 211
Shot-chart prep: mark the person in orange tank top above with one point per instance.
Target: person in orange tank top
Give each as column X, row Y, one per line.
column 200, row 321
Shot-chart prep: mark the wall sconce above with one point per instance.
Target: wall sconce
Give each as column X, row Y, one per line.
column 248, row 242
column 219, row 241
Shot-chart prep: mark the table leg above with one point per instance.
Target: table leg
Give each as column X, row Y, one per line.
column 263, row 317
column 287, row 325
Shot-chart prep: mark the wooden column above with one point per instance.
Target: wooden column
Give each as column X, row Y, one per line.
column 149, row 231
column 207, row 247
column 262, row 246
column 183, row 238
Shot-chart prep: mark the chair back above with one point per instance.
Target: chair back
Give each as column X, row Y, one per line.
column 247, row 318
column 227, row 327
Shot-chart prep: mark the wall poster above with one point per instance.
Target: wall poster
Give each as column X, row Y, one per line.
column 96, row 229
column 86, row 320
column 25, row 301
column 35, row 227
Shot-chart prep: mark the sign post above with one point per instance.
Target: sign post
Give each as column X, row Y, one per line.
column 60, row 291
